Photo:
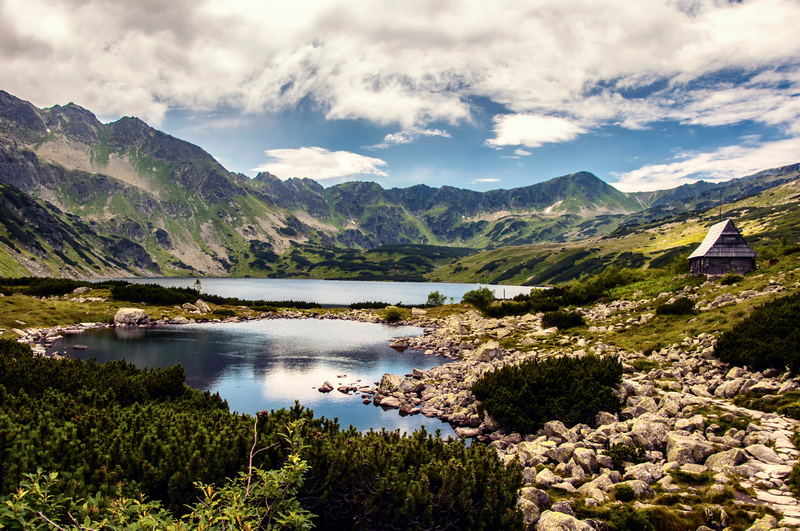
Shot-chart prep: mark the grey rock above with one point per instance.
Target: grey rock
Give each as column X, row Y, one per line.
column 603, row 418
column 694, row 423
column 390, row 383
column 130, row 317
column 763, row 524
column 556, row 428
column 649, row 434
column 202, row 306
column 546, row 479
column 764, row 453
column 530, row 513
column 682, row 449
column 327, row 387
column 640, row 488
column 555, row 521
column 539, row 497
column 646, row 472
column 729, row 458
column 729, row 389
column 563, row 507
column 586, row 459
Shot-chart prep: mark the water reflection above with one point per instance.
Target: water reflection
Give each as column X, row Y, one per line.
column 261, row 365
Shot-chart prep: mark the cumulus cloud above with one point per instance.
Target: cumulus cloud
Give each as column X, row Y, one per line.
column 560, row 68
column 531, row 130
column 406, row 136
column 320, row 164
column 406, row 63
column 720, row 165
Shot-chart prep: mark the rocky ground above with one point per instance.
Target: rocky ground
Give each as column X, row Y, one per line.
column 693, row 449
column 678, row 411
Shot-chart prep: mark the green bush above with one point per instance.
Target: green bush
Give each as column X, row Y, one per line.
column 374, row 305
column 223, row 312
column 561, row 319
column 730, row 278
column 435, row 298
column 481, row 298
column 393, row 314
column 572, row 390
column 622, row 453
column 586, row 291
column 768, row 338
column 680, row 306
column 624, row 493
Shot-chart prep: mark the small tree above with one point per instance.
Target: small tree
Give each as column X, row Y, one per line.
column 435, row 299
column 481, row 298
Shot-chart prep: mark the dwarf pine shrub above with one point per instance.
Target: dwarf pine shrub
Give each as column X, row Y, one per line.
column 769, row 338
column 572, row 390
column 680, row 306
column 561, row 319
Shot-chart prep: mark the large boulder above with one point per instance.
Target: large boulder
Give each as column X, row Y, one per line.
column 130, row 317
column 694, row 423
column 390, row 383
column 202, row 306
column 766, row 523
column 648, row 433
column 586, row 459
column 733, row 457
column 646, row 472
column 682, row 449
column 555, row 521
column 764, row 453
column 530, row 513
column 729, row 389
column 545, row 479
column 487, row 351
column 537, row 496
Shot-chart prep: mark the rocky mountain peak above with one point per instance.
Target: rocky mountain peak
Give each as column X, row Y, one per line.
column 74, row 121
column 20, row 120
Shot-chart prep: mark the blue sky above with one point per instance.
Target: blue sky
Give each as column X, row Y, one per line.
column 480, row 95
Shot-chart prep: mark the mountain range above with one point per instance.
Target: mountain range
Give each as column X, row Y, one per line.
column 80, row 198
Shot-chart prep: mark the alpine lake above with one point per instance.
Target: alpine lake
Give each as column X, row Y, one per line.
column 272, row 363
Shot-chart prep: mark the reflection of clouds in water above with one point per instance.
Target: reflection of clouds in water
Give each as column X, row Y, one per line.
column 254, row 367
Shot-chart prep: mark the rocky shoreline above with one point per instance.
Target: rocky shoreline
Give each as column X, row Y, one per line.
column 675, row 407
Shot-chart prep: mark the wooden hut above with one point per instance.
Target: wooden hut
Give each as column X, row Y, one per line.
column 723, row 251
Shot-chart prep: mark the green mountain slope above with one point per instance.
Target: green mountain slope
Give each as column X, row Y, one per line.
column 143, row 202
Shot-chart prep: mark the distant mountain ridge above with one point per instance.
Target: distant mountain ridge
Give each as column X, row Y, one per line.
column 165, row 206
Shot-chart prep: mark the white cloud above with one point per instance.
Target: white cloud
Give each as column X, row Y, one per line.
column 522, row 153
column 409, row 63
column 721, row 165
column 477, row 181
column 406, row 136
column 320, row 164
column 531, row 130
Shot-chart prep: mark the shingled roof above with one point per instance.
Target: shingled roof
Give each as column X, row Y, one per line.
column 723, row 241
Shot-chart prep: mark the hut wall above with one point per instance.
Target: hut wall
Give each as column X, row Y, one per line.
column 720, row 266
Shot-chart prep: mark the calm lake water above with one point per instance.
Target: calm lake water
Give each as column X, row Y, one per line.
column 329, row 292
column 269, row 364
